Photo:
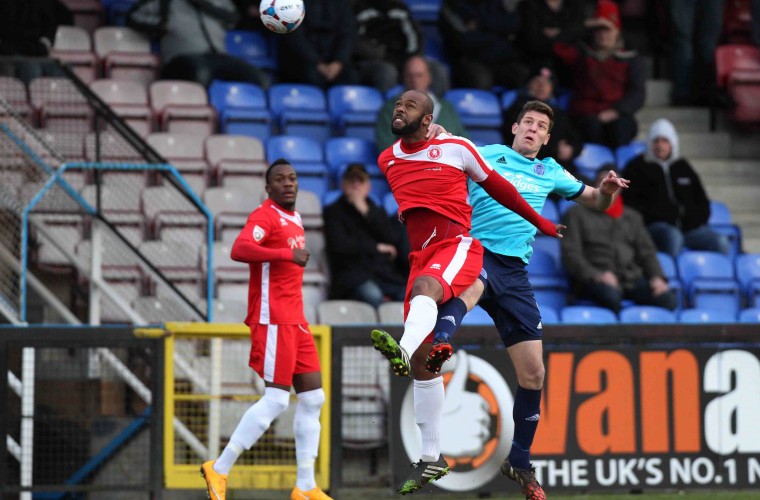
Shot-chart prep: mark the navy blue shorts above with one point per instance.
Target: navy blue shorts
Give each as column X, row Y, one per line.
column 508, row 298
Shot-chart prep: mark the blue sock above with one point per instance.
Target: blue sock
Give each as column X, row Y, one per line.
column 525, row 413
column 450, row 315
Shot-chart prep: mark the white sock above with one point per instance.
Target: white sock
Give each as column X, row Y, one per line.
column 428, row 411
column 423, row 314
column 306, row 428
column 254, row 423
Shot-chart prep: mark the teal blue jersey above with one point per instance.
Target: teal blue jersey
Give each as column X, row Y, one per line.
column 501, row 230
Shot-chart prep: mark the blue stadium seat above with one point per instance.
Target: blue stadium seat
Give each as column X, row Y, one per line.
column 390, row 205
column 563, row 98
column 478, row 316
column 646, row 314
column 305, row 154
column 353, row 109
column 544, row 273
column 708, row 280
column 478, row 109
column 592, row 157
column 508, row 98
column 425, row 11
column 394, row 92
column 242, row 108
column 549, row 315
column 587, row 315
column 751, row 315
column 331, row 197
column 550, row 211
column 563, row 205
column 300, row 109
column 340, row 151
column 748, row 274
column 668, row 265
column 696, row 316
column 549, row 245
column 719, row 213
column 626, row 152
column 253, row 47
column 550, row 297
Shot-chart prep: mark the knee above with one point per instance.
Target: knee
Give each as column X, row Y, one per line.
column 276, row 401
column 532, row 377
column 425, row 285
column 311, row 401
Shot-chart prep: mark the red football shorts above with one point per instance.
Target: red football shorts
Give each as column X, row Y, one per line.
column 454, row 262
column 280, row 351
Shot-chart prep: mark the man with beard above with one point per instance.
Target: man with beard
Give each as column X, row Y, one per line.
column 428, row 178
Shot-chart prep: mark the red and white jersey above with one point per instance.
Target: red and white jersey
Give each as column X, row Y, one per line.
column 433, row 175
column 274, row 290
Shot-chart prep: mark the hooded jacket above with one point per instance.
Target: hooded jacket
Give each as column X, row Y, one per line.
column 666, row 191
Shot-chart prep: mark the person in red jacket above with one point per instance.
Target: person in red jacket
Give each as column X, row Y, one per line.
column 283, row 351
column 608, row 81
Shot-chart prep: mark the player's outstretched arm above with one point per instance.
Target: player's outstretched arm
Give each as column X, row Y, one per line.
column 505, row 193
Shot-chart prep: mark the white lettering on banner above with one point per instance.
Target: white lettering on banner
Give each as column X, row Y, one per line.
column 655, row 475
column 753, row 470
column 731, row 419
column 701, row 471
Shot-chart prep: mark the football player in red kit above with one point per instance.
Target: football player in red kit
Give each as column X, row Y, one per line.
column 428, row 178
column 283, row 352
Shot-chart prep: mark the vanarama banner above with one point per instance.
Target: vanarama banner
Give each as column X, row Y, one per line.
column 629, row 417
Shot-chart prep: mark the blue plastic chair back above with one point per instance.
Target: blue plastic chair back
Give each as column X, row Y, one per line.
column 478, row 316
column 696, row 316
column 624, row 153
column 295, row 149
column 719, row 213
column 592, row 157
column 587, row 315
column 477, row 108
column 252, row 47
column 646, row 314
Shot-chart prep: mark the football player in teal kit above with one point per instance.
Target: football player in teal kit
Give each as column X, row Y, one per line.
column 503, row 289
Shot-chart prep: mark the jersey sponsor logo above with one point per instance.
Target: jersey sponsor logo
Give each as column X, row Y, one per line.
column 502, row 160
column 258, row 233
column 434, row 169
column 297, row 242
column 434, row 152
column 522, row 183
column 539, row 169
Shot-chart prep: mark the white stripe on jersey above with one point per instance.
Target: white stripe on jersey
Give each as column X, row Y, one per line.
column 264, row 312
column 456, row 152
column 270, row 354
column 295, row 219
column 458, row 261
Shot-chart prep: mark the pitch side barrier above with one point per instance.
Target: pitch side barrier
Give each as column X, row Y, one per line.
column 89, row 426
column 624, row 407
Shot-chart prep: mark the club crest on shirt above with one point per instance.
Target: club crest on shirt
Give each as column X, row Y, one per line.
column 283, row 222
column 538, row 169
column 258, row 233
column 434, row 152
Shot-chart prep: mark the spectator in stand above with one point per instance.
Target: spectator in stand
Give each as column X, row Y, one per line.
column 480, row 40
column 608, row 81
column 609, row 256
column 193, row 47
column 27, row 28
column 697, row 26
column 417, row 76
column 387, row 36
column 319, row 51
column 361, row 245
column 546, row 22
column 564, row 144
column 667, row 191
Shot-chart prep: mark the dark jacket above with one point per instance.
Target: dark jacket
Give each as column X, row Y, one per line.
column 615, row 82
column 351, row 244
column 594, row 242
column 491, row 42
column 648, row 193
column 536, row 15
column 386, row 31
column 328, row 33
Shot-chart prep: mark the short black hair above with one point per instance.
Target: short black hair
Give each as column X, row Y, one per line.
column 539, row 107
column 276, row 163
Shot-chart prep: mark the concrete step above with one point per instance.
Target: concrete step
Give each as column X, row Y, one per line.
column 705, row 144
column 685, row 119
column 658, row 93
column 750, row 244
column 723, row 172
column 739, row 198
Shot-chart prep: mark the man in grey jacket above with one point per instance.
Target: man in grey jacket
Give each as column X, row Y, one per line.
column 609, row 256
